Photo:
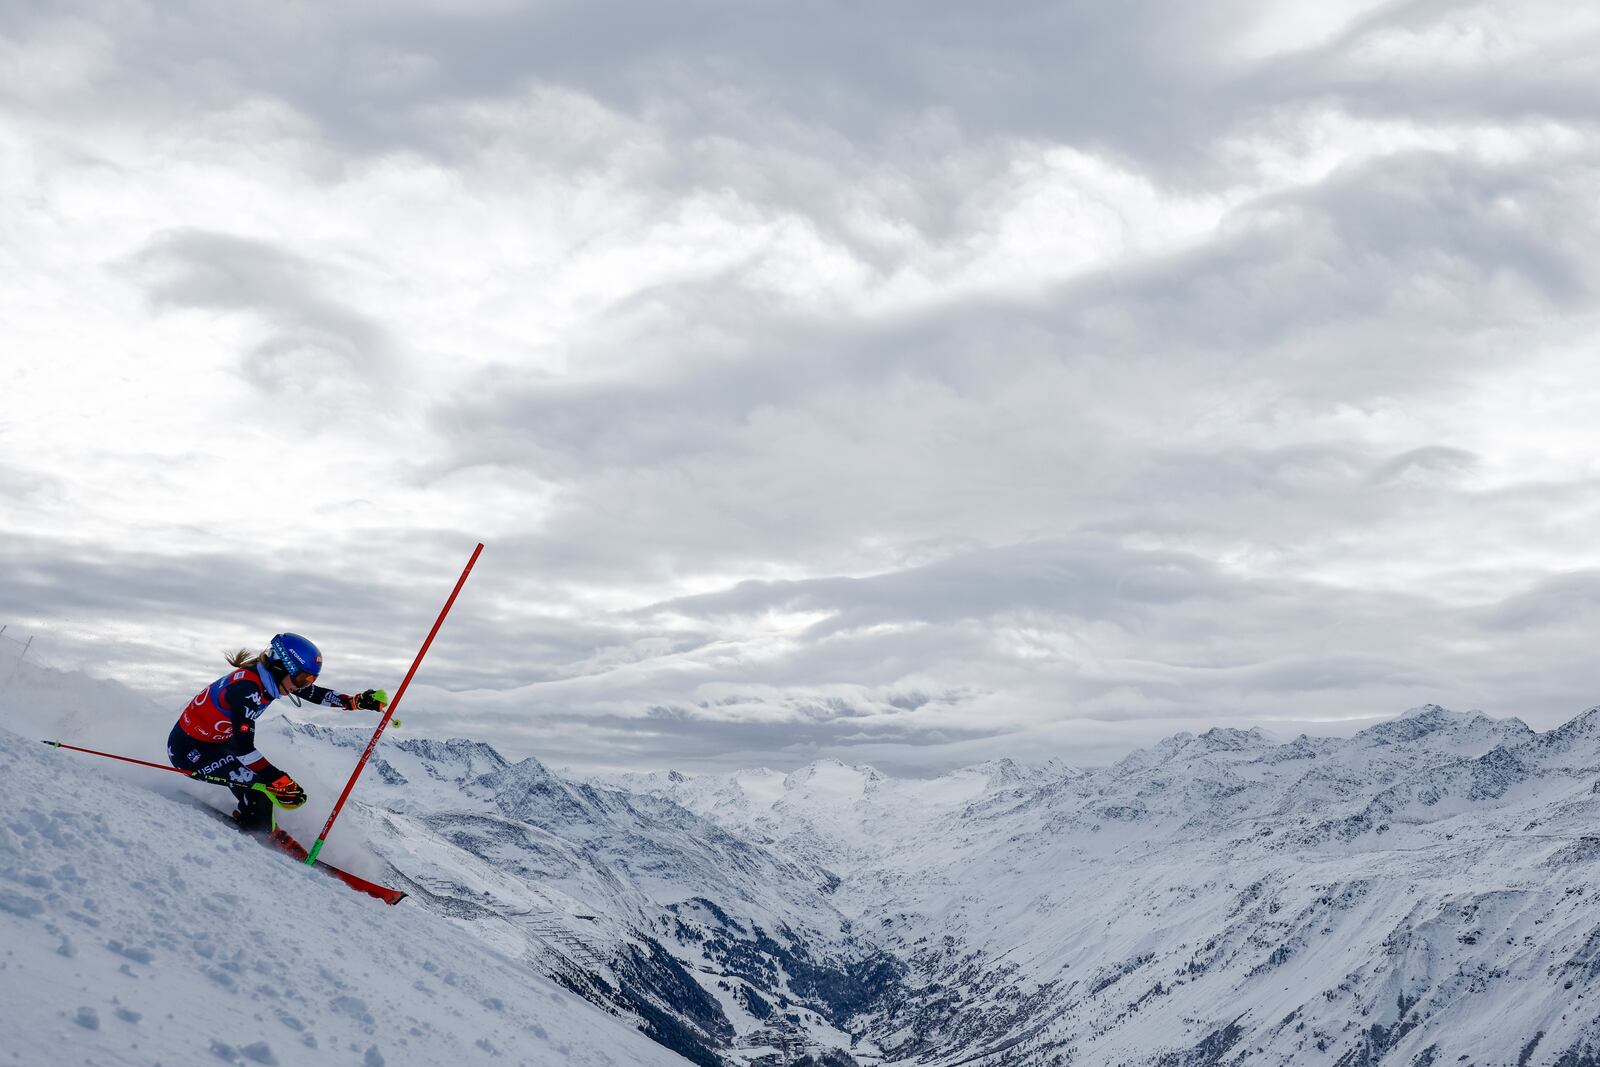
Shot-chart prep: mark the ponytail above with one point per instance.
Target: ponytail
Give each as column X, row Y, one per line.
column 245, row 658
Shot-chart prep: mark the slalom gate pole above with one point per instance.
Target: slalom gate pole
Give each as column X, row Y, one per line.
column 311, row 856
column 196, row 775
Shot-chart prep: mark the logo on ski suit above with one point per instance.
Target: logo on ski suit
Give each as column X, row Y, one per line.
column 209, row 716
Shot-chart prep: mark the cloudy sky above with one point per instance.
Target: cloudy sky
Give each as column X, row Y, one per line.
column 912, row 383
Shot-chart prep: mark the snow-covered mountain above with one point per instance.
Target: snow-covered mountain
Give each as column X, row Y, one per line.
column 839, row 816
column 1423, row 893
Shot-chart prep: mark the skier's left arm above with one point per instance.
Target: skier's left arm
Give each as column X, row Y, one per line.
column 370, row 700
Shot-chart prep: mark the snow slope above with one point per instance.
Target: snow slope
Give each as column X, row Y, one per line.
column 139, row 929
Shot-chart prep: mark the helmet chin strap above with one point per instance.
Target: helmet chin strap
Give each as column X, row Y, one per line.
column 274, row 666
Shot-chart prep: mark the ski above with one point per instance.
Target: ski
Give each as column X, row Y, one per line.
column 288, row 844
column 280, row 839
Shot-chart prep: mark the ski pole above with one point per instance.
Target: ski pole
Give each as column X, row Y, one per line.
column 143, row 763
column 311, row 855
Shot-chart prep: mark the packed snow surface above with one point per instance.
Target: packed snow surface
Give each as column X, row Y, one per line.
column 138, row 928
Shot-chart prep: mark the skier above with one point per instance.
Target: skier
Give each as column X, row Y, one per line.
column 215, row 735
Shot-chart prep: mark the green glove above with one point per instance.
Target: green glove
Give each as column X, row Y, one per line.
column 382, row 697
column 371, row 700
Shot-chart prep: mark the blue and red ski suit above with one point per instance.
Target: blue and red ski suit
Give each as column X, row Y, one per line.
column 216, row 734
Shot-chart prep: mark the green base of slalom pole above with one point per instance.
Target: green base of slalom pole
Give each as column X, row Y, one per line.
column 311, row 857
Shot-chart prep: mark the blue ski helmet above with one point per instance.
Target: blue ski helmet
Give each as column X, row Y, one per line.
column 292, row 656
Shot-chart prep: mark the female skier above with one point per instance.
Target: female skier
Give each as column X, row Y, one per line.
column 216, row 734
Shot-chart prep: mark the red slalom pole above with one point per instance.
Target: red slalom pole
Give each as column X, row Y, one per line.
column 311, row 857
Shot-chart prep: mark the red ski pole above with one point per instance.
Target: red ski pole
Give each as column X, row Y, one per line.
column 311, row 857
column 143, row 763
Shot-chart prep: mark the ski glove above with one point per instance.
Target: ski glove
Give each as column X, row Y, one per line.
column 370, row 700
column 284, row 791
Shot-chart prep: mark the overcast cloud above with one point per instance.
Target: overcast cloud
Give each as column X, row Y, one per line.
column 912, row 383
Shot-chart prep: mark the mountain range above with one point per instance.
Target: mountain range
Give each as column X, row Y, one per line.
column 1417, row 893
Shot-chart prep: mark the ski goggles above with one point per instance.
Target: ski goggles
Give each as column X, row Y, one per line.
column 299, row 679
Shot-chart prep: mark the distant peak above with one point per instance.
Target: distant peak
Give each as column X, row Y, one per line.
column 1429, row 711
column 830, row 769
column 1163, row 750
column 1183, row 745
column 1001, row 772
column 1003, row 763
column 1230, row 738
column 1581, row 725
column 828, row 763
column 1431, row 719
column 455, row 748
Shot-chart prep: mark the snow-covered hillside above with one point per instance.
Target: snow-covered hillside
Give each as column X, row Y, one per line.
column 139, row 929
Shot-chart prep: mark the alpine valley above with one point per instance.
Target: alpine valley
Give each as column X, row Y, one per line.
column 1426, row 892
